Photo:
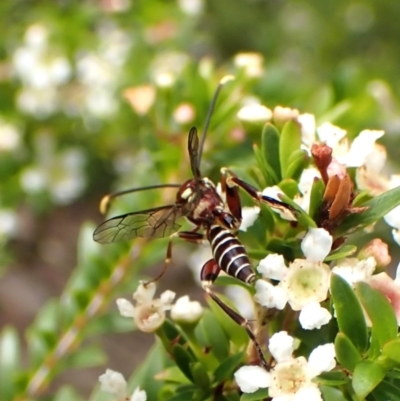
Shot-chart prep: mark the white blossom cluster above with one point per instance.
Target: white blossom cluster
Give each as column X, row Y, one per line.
column 148, row 312
column 291, row 379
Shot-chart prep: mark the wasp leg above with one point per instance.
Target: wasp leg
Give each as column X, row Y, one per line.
column 209, row 274
column 231, row 193
column 190, row 236
column 233, row 180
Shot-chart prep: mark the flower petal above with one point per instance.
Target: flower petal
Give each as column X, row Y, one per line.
column 252, row 378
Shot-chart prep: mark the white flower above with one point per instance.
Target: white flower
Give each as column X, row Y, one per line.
column 8, row 222
column 255, row 113
column 316, row 244
column 138, row 395
column 184, row 113
column 272, row 266
column 322, row 359
column 291, row 378
column 10, row 136
column 330, row 134
column 249, row 216
column 251, row 63
column 186, row 311
column 251, row 378
column 148, row 313
column 141, row 98
column 191, row 7
column 306, row 282
column 307, row 123
column 313, row 316
column 113, row 382
column 360, row 148
column 354, row 270
column 270, row 296
column 284, row 114
column 281, row 346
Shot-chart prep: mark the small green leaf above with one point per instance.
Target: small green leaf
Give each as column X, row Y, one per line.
column 267, row 171
column 10, row 357
column 258, row 395
column 346, row 353
column 332, row 394
column 200, row 376
column 87, row 356
column 367, row 375
column 290, row 142
column 67, row 393
column 316, row 198
column 392, row 350
column 332, row 378
column 377, row 208
column 385, row 391
column 298, row 161
column 342, row 252
column 351, row 324
column 289, row 187
column 183, row 359
column 270, row 149
column 226, row 369
column 214, row 335
column 380, row 311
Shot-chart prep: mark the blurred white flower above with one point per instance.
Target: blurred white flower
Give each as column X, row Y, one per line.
column 281, row 115
column 114, row 383
column 250, row 63
column 191, row 7
column 354, row 270
column 255, row 113
column 184, row 113
column 313, row 316
column 270, row 296
column 10, row 136
column 148, row 313
column 249, row 216
column 40, row 103
column 291, row 378
column 307, row 123
column 305, row 186
column 186, row 311
column 8, row 223
column 167, row 67
column 330, row 134
column 316, row 244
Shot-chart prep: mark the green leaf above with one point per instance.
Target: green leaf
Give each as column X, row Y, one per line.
column 367, row 375
column 266, row 169
column 289, row 187
column 258, row 395
column 87, row 356
column 298, row 161
column 332, row 378
column 392, row 350
column 233, row 331
column 377, row 208
column 144, row 375
column 10, row 357
column 346, row 353
column 385, row 391
column 316, row 198
column 351, row 324
column 183, row 359
column 342, row 252
column 332, row 394
column 200, row 376
column 380, row 311
column 290, row 142
column 67, row 393
column 226, row 369
column 270, row 150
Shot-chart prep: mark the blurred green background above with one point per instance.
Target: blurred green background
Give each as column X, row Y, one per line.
column 99, row 95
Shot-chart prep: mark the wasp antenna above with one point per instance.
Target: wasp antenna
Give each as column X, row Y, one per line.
column 222, row 82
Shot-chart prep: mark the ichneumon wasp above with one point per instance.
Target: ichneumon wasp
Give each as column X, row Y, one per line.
column 216, row 219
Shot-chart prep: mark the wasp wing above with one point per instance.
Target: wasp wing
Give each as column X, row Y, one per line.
column 152, row 223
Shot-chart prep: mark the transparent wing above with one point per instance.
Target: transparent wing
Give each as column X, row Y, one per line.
column 152, row 223
column 193, row 148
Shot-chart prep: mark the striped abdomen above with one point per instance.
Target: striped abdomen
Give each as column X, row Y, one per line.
column 230, row 254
